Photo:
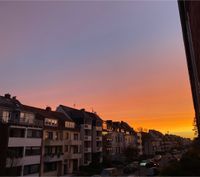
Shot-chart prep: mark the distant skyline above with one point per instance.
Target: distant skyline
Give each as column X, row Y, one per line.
column 125, row 60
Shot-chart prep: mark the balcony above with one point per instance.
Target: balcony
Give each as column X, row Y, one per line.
column 53, row 142
column 87, row 149
column 13, row 162
column 20, row 141
column 87, row 138
column 72, row 142
column 99, row 149
column 34, row 159
column 72, row 156
column 53, row 157
column 99, row 138
column 98, row 128
column 87, row 126
column 34, row 123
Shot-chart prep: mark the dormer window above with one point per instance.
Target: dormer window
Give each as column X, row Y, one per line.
column 26, row 117
column 51, row 122
column 69, row 124
column 6, row 116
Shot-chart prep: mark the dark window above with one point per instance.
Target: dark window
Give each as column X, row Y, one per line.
column 34, row 133
column 99, row 133
column 66, row 148
column 15, row 152
column 75, row 136
column 17, row 132
column 75, row 149
column 13, row 171
column 31, row 169
column 32, row 151
column 50, row 166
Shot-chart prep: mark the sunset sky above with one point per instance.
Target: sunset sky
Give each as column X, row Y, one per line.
column 126, row 60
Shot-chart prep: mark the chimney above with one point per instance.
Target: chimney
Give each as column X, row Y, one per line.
column 82, row 109
column 7, row 95
column 14, row 97
column 48, row 108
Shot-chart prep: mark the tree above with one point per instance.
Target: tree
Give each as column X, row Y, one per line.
column 195, row 127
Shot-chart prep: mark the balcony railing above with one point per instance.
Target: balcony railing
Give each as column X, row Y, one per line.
column 87, row 138
column 99, row 138
column 53, row 157
column 35, row 123
column 72, row 142
column 87, row 126
column 53, row 142
column 72, row 156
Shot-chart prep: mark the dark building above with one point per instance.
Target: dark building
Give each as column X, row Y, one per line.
column 190, row 21
column 90, row 125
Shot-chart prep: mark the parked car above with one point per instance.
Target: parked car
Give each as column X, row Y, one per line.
column 144, row 162
column 152, row 164
column 153, row 171
column 109, row 172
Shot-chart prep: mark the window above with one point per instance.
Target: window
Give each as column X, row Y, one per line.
column 66, row 135
column 6, row 116
column 75, row 149
column 17, row 132
column 49, row 135
column 31, row 169
column 51, row 122
column 34, row 133
column 50, row 166
column 27, row 117
column 66, row 148
column 75, row 136
column 30, row 151
column 69, row 124
column 98, row 133
column 15, row 152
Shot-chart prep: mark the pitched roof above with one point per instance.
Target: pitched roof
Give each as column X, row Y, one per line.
column 9, row 102
column 47, row 113
column 76, row 115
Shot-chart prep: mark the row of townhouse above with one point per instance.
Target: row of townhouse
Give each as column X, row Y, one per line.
column 154, row 142
column 42, row 142
column 117, row 136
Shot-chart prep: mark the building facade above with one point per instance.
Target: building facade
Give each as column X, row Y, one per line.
column 21, row 138
column 190, row 21
column 117, row 136
column 37, row 142
column 90, row 125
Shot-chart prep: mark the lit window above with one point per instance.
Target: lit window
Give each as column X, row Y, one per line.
column 51, row 122
column 27, row 117
column 6, row 116
column 69, row 124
